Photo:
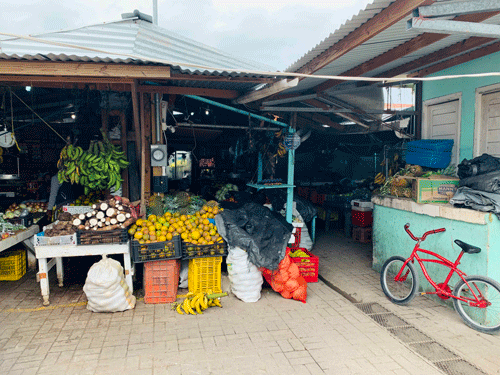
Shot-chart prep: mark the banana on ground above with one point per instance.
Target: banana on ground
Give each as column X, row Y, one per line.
column 196, row 303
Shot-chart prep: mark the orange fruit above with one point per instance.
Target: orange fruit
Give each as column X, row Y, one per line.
column 169, row 236
column 158, row 225
column 138, row 235
column 151, row 228
column 195, row 235
column 152, row 218
column 162, row 238
column 139, row 222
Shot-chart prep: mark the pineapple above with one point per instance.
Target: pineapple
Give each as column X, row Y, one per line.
column 183, row 198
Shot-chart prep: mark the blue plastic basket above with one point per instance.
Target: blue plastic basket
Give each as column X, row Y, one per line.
column 430, row 145
column 431, row 160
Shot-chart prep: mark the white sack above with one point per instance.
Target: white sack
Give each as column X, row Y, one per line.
column 106, row 288
column 183, row 274
column 245, row 278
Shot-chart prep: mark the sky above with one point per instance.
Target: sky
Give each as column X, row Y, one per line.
column 272, row 32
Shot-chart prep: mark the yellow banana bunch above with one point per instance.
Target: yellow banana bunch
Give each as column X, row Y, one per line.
column 196, row 303
column 379, row 179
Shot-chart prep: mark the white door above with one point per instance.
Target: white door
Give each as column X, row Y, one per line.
column 443, row 122
column 489, row 141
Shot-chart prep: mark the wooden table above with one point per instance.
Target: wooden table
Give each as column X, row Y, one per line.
column 56, row 252
column 23, row 236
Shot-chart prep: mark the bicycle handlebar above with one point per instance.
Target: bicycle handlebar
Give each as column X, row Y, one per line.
column 407, row 226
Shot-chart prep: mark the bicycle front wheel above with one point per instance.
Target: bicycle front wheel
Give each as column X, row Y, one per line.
column 399, row 290
column 486, row 316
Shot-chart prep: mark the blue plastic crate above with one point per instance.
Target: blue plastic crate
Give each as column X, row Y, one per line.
column 430, row 160
column 430, row 145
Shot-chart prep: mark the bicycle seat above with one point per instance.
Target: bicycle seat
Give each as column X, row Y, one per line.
column 468, row 248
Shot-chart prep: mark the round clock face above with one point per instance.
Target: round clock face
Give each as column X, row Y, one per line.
column 158, row 155
column 7, row 140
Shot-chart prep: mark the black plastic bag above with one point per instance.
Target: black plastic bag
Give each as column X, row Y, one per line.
column 478, row 166
column 488, row 182
column 263, row 233
column 278, row 199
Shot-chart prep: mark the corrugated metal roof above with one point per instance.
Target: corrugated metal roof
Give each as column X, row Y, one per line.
column 390, row 38
column 133, row 41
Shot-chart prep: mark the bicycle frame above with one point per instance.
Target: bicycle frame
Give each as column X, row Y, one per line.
column 477, row 301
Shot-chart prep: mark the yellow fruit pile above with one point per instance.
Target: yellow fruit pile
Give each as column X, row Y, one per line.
column 195, row 303
column 194, row 229
column 299, row 254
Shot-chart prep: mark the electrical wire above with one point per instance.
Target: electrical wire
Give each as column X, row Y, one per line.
column 249, row 71
column 45, row 122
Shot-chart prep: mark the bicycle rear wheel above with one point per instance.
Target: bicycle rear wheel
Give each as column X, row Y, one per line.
column 403, row 290
column 483, row 319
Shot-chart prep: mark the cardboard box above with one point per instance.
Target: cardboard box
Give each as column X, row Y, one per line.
column 435, row 189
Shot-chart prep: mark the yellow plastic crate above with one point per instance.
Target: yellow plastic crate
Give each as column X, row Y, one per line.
column 205, row 274
column 12, row 265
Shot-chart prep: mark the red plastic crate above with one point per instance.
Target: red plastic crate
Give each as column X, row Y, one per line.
column 161, row 280
column 362, row 218
column 308, row 267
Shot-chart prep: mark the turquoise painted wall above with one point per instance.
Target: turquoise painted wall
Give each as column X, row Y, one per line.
column 466, row 86
column 390, row 238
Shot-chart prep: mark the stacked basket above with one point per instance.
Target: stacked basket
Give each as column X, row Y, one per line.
column 431, row 153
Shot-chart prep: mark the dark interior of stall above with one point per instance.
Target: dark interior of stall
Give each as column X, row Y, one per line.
column 207, row 147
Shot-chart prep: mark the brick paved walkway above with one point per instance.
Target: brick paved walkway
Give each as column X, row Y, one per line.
column 327, row 335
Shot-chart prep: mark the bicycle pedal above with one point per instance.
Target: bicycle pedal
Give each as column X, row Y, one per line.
column 423, row 293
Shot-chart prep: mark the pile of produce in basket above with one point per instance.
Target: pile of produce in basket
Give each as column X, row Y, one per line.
column 114, row 213
column 222, row 193
column 195, row 229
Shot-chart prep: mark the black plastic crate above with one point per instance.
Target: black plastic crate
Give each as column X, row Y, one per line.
column 96, row 237
column 192, row 251
column 156, row 250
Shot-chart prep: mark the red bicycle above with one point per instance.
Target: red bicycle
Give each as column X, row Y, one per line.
column 475, row 298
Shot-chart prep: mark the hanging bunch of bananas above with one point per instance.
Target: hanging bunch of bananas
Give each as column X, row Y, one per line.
column 69, row 164
column 195, row 303
column 379, row 179
column 98, row 168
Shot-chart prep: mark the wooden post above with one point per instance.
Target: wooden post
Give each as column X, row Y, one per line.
column 145, row 104
column 137, row 125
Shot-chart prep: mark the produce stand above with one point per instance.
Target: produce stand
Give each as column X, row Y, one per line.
column 57, row 252
column 23, row 236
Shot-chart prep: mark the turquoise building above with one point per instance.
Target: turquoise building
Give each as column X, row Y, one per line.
column 466, row 109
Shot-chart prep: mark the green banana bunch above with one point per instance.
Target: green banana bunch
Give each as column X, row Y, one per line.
column 196, row 303
column 98, row 168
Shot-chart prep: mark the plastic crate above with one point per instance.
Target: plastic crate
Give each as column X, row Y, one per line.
column 363, row 235
column 308, row 266
column 156, row 251
column 160, row 281
column 362, row 218
column 205, row 274
column 95, row 237
column 191, row 251
column 41, row 240
column 12, row 265
column 430, row 145
column 431, row 160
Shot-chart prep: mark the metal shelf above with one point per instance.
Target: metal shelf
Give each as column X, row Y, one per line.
column 262, row 186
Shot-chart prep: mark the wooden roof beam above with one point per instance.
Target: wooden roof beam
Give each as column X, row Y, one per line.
column 404, row 49
column 60, row 69
column 321, row 119
column 395, row 12
column 480, row 52
column 437, row 56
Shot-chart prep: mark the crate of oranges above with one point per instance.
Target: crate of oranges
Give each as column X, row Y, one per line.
column 152, row 240
column 195, row 230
